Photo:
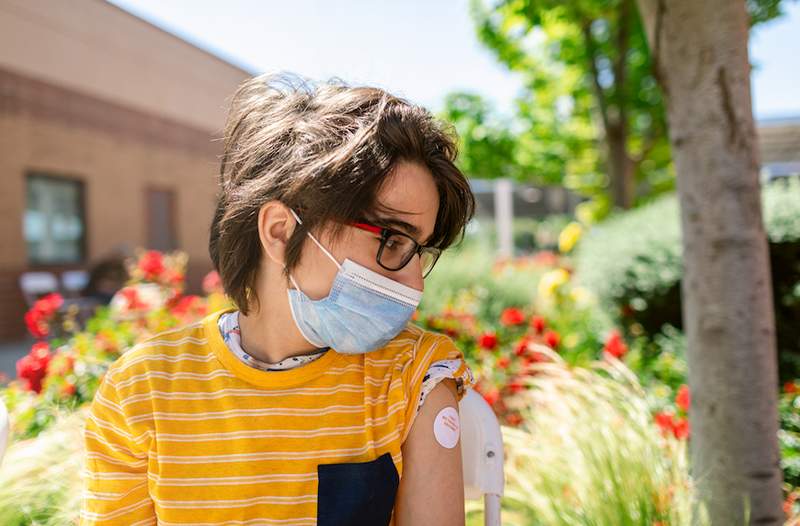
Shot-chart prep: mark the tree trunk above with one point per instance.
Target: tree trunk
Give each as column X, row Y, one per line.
column 699, row 52
column 620, row 168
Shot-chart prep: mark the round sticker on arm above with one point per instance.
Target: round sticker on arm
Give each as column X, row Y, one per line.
column 446, row 427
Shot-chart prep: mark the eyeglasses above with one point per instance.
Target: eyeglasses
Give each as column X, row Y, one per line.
column 397, row 249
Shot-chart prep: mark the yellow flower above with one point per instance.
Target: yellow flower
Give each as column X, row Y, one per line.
column 581, row 296
column 569, row 237
column 551, row 281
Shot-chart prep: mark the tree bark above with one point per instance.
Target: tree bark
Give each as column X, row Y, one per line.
column 699, row 51
column 620, row 167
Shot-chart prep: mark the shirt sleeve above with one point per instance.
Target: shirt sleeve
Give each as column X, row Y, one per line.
column 435, row 358
column 115, row 480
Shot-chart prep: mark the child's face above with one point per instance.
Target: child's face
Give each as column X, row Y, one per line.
column 411, row 190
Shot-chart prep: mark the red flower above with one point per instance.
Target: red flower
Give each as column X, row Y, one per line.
column 453, row 333
column 552, row 339
column 213, row 283
column 42, row 312
column 615, row 346
column 36, row 323
column 132, row 298
column 522, row 346
column 32, row 368
column 186, row 305
column 790, row 387
column 683, row 398
column 173, row 277
column 50, row 303
column 151, row 264
column 538, row 324
column 68, row 389
column 664, row 421
column 512, row 316
column 680, row 428
column 504, row 362
column 516, row 385
column 514, row 419
column 788, row 504
column 537, row 356
column 487, row 340
column 491, row 396
column 65, row 364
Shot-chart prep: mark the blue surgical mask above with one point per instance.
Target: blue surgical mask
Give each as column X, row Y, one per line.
column 363, row 311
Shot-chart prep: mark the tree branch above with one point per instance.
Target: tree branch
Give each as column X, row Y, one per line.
column 591, row 49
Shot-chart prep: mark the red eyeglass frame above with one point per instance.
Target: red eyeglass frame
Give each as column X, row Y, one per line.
column 385, row 233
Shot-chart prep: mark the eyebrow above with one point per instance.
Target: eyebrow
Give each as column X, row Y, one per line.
column 407, row 227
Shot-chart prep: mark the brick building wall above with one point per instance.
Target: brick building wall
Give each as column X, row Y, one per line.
column 119, row 105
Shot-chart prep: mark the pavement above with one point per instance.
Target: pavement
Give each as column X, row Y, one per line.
column 10, row 352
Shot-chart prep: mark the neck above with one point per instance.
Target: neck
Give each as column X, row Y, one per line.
column 268, row 332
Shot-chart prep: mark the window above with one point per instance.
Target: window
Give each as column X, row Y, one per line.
column 161, row 220
column 54, row 222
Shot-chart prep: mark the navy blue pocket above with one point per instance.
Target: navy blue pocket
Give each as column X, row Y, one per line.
column 357, row 493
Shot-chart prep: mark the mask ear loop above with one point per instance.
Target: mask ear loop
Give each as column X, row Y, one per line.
column 317, row 243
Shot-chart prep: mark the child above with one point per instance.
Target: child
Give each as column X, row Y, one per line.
column 314, row 401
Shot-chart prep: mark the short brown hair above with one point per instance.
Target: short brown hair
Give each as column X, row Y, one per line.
column 322, row 150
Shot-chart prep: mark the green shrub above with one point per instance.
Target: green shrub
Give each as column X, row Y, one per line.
column 633, row 263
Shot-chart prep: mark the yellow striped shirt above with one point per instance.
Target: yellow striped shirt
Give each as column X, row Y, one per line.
column 182, row 432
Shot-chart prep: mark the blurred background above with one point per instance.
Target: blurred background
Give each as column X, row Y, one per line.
column 111, row 114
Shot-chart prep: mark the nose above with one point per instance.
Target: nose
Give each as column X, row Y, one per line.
column 413, row 274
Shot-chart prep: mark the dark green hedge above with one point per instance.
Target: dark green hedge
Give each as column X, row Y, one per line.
column 633, row 263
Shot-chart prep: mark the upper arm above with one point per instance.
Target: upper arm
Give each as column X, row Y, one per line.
column 432, row 485
column 115, row 483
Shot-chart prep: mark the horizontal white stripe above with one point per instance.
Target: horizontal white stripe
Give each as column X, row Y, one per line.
column 167, row 358
column 299, row 521
column 114, row 447
column 379, row 363
column 99, row 422
column 172, row 343
column 200, row 417
column 269, row 411
column 102, row 495
column 183, row 328
column 277, row 455
column 117, row 512
column 113, row 475
column 236, row 503
column 262, row 433
column 148, row 375
column 175, row 376
column 224, row 392
column 227, row 481
column 349, row 368
column 100, row 399
column 95, row 455
column 282, row 433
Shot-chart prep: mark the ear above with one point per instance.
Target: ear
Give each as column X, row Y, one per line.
column 275, row 227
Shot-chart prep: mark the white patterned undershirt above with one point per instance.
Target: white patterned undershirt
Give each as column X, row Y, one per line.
column 229, row 328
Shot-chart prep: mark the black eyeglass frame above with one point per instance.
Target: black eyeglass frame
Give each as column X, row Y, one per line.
column 386, row 233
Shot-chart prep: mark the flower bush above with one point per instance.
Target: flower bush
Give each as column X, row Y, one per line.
column 588, row 453
column 546, row 357
column 64, row 368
